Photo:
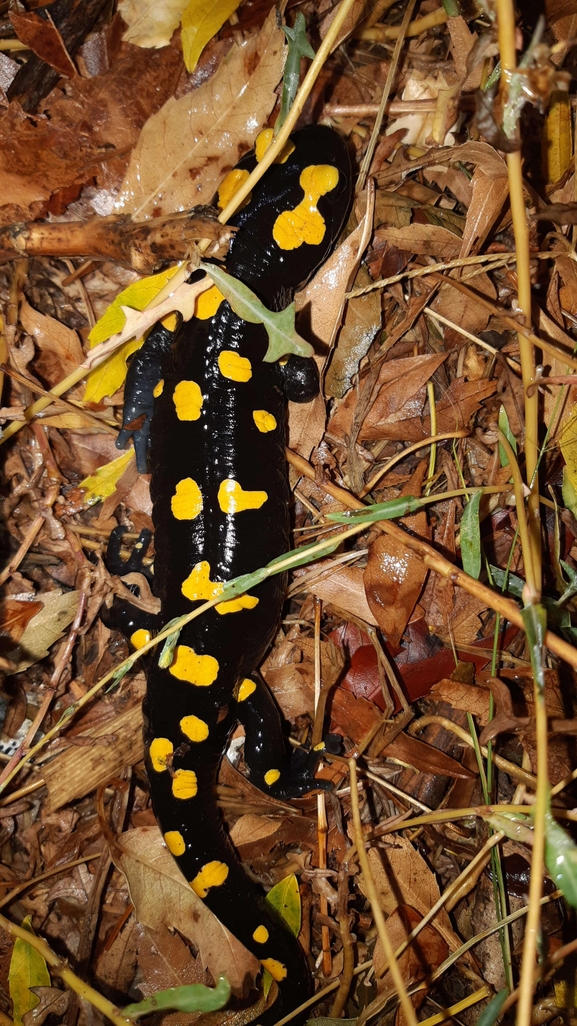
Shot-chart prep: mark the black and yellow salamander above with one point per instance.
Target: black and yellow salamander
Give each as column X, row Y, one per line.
column 221, row 508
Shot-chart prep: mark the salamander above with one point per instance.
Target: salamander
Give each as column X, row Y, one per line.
column 215, row 416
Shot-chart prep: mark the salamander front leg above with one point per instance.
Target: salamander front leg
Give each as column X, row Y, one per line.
column 142, row 384
column 299, row 379
column 271, row 768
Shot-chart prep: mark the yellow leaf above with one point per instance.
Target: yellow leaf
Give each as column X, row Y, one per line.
column 286, row 900
column 558, row 136
column 27, row 969
column 109, row 376
column 138, row 295
column 568, row 446
column 201, row 21
column 100, row 485
column 150, row 24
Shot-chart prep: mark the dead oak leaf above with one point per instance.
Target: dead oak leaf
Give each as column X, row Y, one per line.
column 184, row 150
column 82, row 125
column 394, row 397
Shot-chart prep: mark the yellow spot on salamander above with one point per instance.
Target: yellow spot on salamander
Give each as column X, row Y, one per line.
column 233, row 366
column 160, row 752
column 201, row 670
column 277, row 970
column 260, row 935
column 188, row 400
column 184, row 784
column 186, row 503
column 320, row 747
column 194, row 728
column 157, row 390
column 246, row 689
column 175, row 842
column 207, row 303
column 213, row 874
column 235, row 605
column 271, row 776
column 263, row 141
column 264, row 420
column 230, row 185
column 198, row 585
column 140, row 638
column 233, row 499
column 305, row 223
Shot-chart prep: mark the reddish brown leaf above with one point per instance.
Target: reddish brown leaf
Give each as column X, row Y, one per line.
column 44, row 39
column 395, row 575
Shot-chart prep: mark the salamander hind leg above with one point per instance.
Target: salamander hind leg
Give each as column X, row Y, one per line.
column 271, row 768
column 135, row 623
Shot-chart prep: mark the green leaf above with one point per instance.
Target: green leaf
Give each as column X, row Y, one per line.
column 283, row 339
column 380, row 510
column 561, row 859
column 298, row 46
column 515, row 826
column 505, row 427
column 201, row 21
column 507, row 581
column 535, row 624
column 286, row 900
column 193, row 998
column 471, row 537
column 27, row 969
column 492, row 1011
column 167, row 654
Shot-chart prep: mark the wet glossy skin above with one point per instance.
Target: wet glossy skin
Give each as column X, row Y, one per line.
column 221, row 508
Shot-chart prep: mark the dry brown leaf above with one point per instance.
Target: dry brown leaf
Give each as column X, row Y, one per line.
column 52, row 1002
column 354, row 717
column 162, row 897
column 424, row 758
column 395, row 575
column 87, row 124
column 293, row 692
column 45, row 628
column 402, row 877
column 15, row 615
column 398, row 386
column 422, row 957
column 255, row 836
column 60, row 349
column 488, row 195
column 454, row 410
column 44, row 39
column 457, row 307
column 424, row 239
column 306, row 425
column 164, row 960
column 362, row 322
column 343, row 588
column 184, row 150
column 466, row 697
